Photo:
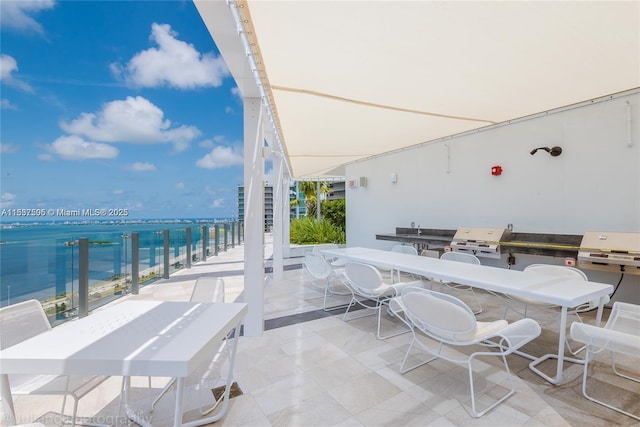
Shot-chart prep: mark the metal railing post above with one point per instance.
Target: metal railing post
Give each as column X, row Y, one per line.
column 165, row 274
column 83, row 277
column 226, row 236
column 216, row 238
column 233, row 234
column 188, row 243
column 135, row 262
column 205, row 242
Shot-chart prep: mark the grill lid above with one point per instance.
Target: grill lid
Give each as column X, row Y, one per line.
column 481, row 242
column 608, row 251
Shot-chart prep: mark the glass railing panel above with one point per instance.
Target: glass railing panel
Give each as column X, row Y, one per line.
column 150, row 266
column 41, row 261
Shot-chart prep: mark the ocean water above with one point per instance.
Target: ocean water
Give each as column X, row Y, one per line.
column 36, row 263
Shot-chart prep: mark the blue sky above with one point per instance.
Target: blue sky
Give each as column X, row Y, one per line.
column 116, row 105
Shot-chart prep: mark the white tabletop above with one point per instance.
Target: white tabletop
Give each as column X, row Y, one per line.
column 527, row 284
column 131, row 338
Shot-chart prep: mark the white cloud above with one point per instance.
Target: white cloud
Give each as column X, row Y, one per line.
column 140, row 167
column 45, row 157
column 173, row 63
column 220, row 157
column 7, row 199
column 180, row 186
column 5, row 104
column 8, row 65
column 74, row 147
column 15, row 14
column 211, row 143
column 134, row 120
column 118, row 191
column 6, row 148
column 218, row 203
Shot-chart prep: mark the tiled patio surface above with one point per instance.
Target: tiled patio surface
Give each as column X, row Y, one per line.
column 315, row 369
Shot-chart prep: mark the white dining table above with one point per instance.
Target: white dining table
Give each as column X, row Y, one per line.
column 130, row 338
column 566, row 293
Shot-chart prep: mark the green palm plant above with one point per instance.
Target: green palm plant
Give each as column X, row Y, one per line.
column 309, row 189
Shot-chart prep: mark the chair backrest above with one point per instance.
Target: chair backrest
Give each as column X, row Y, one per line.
column 405, row 249
column 460, row 257
column 364, row 277
column 317, row 248
column 439, row 315
column 558, row 271
column 624, row 317
column 620, row 334
column 208, row 289
column 19, row 322
column 317, row 266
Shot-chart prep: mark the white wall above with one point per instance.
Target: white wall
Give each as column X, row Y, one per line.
column 594, row 185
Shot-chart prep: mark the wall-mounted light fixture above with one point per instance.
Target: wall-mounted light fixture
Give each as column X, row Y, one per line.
column 394, row 177
column 554, row 151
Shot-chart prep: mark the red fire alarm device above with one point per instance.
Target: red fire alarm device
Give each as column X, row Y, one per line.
column 496, row 170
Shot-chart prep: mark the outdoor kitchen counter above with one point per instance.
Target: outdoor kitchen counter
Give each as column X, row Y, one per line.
column 556, row 245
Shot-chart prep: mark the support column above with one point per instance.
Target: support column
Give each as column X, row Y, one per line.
column 278, row 217
column 254, row 217
column 286, row 242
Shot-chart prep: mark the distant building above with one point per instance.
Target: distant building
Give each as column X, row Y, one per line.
column 338, row 190
column 296, row 202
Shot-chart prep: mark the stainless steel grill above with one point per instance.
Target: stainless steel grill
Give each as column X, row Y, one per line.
column 605, row 251
column 481, row 242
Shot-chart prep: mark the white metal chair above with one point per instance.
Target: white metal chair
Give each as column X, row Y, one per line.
column 403, row 249
column 365, row 282
column 21, row 321
column 469, row 259
column 555, row 271
column 326, row 278
column 440, row 321
column 621, row 334
column 209, row 374
column 333, row 261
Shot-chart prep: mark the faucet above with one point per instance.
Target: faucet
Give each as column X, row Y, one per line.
column 419, row 231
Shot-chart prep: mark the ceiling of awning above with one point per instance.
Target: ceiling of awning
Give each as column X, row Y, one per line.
column 352, row 79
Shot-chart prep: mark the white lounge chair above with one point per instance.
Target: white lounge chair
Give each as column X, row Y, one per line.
column 469, row 259
column 365, row 282
column 326, row 278
column 209, row 374
column 621, row 334
column 441, row 321
column 551, row 309
column 21, row 321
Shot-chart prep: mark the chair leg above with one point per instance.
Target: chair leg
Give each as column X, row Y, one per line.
column 475, row 297
column 474, row 411
column 585, row 374
column 337, row 307
column 73, row 421
column 455, row 287
column 394, row 334
column 162, row 393
column 355, row 301
column 406, row 356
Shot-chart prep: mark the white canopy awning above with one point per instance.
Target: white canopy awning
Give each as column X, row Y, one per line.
column 352, row 79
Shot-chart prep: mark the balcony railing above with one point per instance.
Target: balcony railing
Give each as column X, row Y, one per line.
column 74, row 274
